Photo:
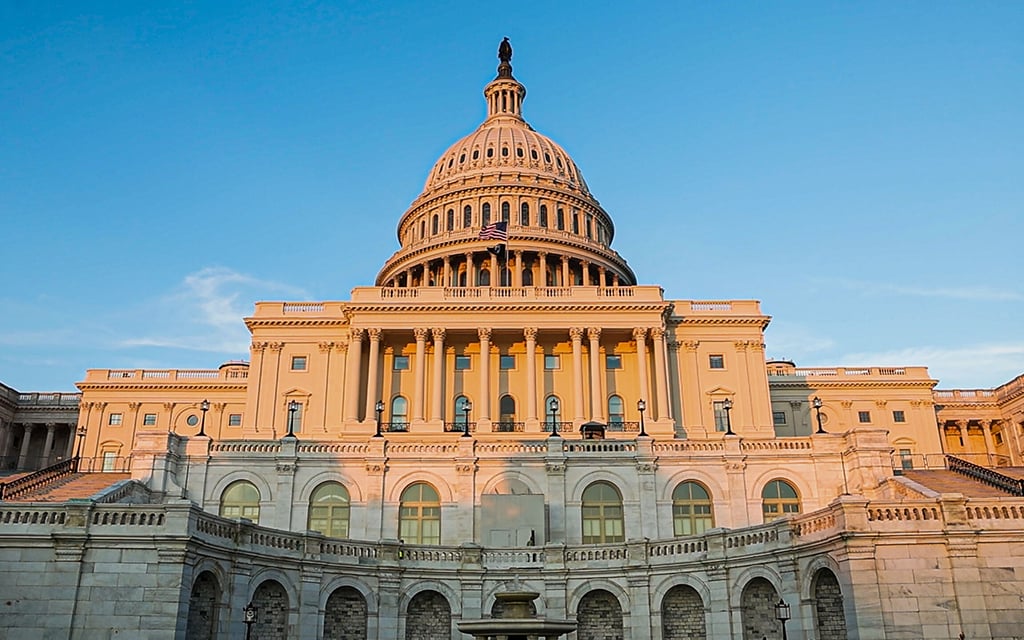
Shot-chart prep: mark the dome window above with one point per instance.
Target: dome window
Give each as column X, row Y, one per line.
column 450, row 222
column 543, row 216
column 451, row 162
column 434, row 225
column 485, row 214
column 519, row 152
column 547, row 157
column 504, row 152
column 524, row 215
column 505, row 212
column 462, row 158
column 560, row 219
column 559, row 160
column 467, row 217
column 476, row 154
column 533, row 153
column 490, row 152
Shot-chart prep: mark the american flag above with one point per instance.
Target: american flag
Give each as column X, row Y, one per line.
column 495, row 231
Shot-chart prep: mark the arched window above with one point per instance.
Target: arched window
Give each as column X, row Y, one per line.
column 616, row 412
column 506, row 213
column 423, row 229
column 241, row 500
column 467, row 217
column 778, row 500
column 399, row 412
column 434, row 225
column 560, row 219
column 524, row 215
column 450, row 221
column 483, row 278
column 485, row 214
column 691, row 510
column 419, row 519
column 329, row 509
column 507, row 409
column 527, row 277
column 543, row 216
column 602, row 514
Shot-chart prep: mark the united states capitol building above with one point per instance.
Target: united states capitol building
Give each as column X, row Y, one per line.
column 508, row 405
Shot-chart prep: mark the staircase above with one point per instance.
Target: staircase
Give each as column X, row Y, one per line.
column 946, row 481
column 76, row 485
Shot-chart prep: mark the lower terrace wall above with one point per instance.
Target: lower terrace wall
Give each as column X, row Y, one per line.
column 922, row 569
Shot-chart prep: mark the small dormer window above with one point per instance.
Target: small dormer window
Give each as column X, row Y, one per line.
column 451, row 162
column 533, row 153
column 490, row 152
column 462, row 158
column 476, row 154
column 504, row 151
column 559, row 160
column 519, row 152
column 547, row 157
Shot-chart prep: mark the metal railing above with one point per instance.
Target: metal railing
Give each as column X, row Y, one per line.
column 38, row 479
column 459, row 427
column 991, row 477
column 393, row 427
column 562, row 426
column 508, row 427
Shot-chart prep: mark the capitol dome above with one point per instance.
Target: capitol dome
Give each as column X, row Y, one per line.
column 505, row 206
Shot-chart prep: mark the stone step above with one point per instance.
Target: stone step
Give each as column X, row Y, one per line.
column 77, row 485
column 945, row 481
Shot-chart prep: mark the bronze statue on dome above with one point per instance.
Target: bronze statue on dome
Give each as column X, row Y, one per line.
column 505, row 51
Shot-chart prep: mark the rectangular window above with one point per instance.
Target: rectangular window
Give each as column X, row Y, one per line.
column 401, row 363
column 612, row 362
column 906, row 459
column 109, row 460
column 779, row 418
column 716, row 361
column 507, row 363
column 898, row 416
column 298, row 363
column 863, row 417
column 552, row 363
column 235, row 420
column 115, row 419
column 998, row 437
column 462, row 363
column 149, row 419
column 721, row 416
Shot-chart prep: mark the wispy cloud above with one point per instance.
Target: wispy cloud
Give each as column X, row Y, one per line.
column 974, row 292
column 795, row 341
column 982, row 365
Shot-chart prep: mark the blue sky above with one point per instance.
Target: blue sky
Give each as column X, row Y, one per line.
column 857, row 167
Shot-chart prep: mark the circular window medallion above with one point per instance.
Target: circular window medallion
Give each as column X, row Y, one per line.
column 192, row 420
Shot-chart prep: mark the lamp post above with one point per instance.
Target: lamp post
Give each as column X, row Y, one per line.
column 727, row 405
column 782, row 615
column 379, row 408
column 553, row 410
column 816, row 403
column 249, row 618
column 204, row 406
column 640, row 406
column 293, row 406
column 467, row 406
column 81, row 441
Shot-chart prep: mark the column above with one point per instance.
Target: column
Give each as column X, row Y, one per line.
column 517, row 273
column 596, row 397
column 990, row 445
column 436, row 413
column 690, row 379
column 48, row 446
column 743, row 410
column 495, row 275
column 576, row 334
column 408, row 277
column 601, row 276
column 615, row 279
column 5, row 438
column 484, row 403
column 530, row 333
column 566, row 280
column 660, row 374
column 23, row 456
column 420, row 374
column 446, row 278
column 336, row 408
column 372, row 390
column 585, row 273
column 543, row 261
column 470, row 281
column 355, row 362
column 72, row 436
column 640, row 335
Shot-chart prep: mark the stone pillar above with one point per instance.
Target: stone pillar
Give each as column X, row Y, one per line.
column 446, row 277
column 543, row 259
column 990, row 445
column 23, row 456
column 615, row 279
column 566, row 281
column 585, row 273
column 530, row 333
column 376, row 476
column 419, row 389
column 335, row 413
column 660, row 374
column 72, row 436
column 555, row 467
column 437, row 404
column 355, row 363
column 576, row 334
column 640, row 335
column 48, row 446
column 5, row 438
column 495, row 274
column 596, row 397
column 470, row 280
column 601, row 276
column 517, row 274
column 372, row 389
column 484, row 412
column 744, row 409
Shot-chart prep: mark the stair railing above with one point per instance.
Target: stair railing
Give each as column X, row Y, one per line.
column 991, row 477
column 38, row 479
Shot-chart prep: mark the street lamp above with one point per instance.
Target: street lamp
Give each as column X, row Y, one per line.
column 782, row 615
column 81, row 442
column 816, row 403
column 553, row 410
column 204, row 406
column 249, row 618
column 467, row 406
column 379, row 407
column 640, row 406
column 293, row 406
column 727, row 405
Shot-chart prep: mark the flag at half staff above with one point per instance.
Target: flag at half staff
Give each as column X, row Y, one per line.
column 495, row 231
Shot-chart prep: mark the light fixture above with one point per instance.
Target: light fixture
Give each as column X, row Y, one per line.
column 727, row 405
column 553, row 410
column 204, row 406
column 467, row 406
column 293, row 406
column 816, row 403
column 379, row 408
column 782, row 614
column 640, row 406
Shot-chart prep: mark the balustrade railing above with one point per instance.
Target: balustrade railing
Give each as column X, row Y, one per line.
column 562, row 426
column 392, row 427
column 38, row 479
column 1014, row 486
column 508, row 427
column 459, row 427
